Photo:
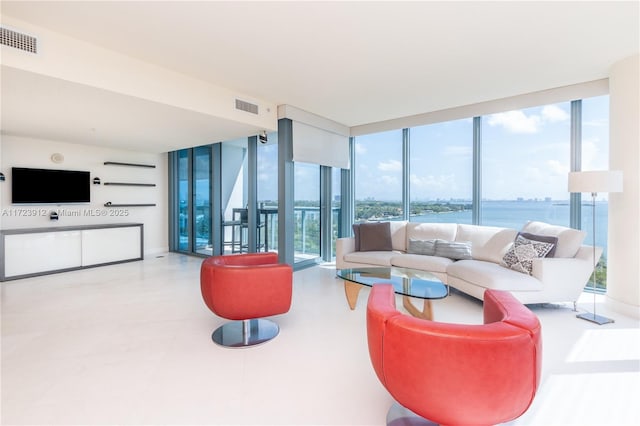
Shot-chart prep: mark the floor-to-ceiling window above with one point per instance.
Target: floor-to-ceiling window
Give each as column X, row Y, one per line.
column 505, row 169
column 336, row 206
column 525, row 163
column 440, row 178
column 306, row 212
column 183, row 198
column 378, row 176
column 202, row 200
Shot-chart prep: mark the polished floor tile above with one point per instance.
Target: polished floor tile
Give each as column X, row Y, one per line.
column 130, row 344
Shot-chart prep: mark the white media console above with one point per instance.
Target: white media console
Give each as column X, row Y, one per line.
column 38, row 251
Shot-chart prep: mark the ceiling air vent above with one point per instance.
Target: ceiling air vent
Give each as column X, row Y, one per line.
column 246, row 106
column 18, row 40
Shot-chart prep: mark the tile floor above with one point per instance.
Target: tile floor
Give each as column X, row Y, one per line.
column 130, row 344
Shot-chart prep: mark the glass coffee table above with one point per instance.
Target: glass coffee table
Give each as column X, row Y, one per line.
column 406, row 282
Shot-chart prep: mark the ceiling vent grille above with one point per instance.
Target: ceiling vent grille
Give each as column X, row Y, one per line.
column 18, row 40
column 246, row 106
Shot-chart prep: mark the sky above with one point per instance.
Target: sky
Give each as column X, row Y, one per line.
column 525, row 154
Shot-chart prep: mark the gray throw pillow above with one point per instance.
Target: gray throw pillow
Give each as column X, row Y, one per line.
column 521, row 254
column 425, row 247
column 375, row 236
column 453, row 250
column 543, row 239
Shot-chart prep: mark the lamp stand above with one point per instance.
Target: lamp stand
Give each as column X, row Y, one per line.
column 592, row 317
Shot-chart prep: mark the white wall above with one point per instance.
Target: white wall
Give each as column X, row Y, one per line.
column 623, row 281
column 22, row 152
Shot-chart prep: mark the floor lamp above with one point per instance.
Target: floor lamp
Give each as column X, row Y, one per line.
column 595, row 182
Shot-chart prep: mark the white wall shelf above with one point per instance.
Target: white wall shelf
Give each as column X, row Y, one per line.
column 129, row 184
column 115, row 163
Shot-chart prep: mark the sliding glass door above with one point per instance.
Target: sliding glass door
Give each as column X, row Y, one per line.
column 202, row 200
column 212, row 212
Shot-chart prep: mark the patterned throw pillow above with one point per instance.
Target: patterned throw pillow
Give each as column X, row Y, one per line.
column 425, row 247
column 521, row 254
column 543, row 239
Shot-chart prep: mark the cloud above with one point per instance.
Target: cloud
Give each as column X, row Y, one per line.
column 554, row 114
column 519, row 122
column 360, row 149
column 390, row 166
column 516, row 122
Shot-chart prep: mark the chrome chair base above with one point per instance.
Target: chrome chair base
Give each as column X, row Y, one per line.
column 401, row 416
column 242, row 334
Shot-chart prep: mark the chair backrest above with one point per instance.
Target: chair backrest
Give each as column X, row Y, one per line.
column 457, row 373
column 246, row 286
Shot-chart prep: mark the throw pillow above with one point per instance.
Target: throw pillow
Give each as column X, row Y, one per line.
column 375, row 236
column 542, row 239
column 453, row 250
column 569, row 239
column 520, row 256
column 425, row 247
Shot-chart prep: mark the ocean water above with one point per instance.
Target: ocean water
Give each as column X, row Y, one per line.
column 515, row 214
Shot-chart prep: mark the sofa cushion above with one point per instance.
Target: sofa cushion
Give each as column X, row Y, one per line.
column 376, row 258
column 375, row 236
column 425, row 263
column 569, row 239
column 491, row 275
column 431, row 231
column 487, row 242
column 542, row 239
column 521, row 254
column 398, row 230
column 455, row 250
column 424, row 247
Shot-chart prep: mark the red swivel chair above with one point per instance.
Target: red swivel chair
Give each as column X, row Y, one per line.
column 244, row 288
column 456, row 374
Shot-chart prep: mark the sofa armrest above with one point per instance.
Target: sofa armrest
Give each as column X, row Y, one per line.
column 565, row 278
column 344, row 246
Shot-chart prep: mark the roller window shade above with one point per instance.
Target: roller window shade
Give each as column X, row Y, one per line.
column 318, row 146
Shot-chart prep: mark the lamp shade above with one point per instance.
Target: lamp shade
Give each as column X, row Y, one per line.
column 598, row 181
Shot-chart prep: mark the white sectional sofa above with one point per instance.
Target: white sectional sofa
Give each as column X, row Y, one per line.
column 552, row 279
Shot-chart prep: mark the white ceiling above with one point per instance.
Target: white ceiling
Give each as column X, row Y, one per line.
column 352, row 62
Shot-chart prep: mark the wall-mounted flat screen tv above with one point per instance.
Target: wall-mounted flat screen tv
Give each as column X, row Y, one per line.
column 47, row 186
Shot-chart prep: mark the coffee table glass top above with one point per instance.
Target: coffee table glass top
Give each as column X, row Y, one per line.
column 405, row 281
